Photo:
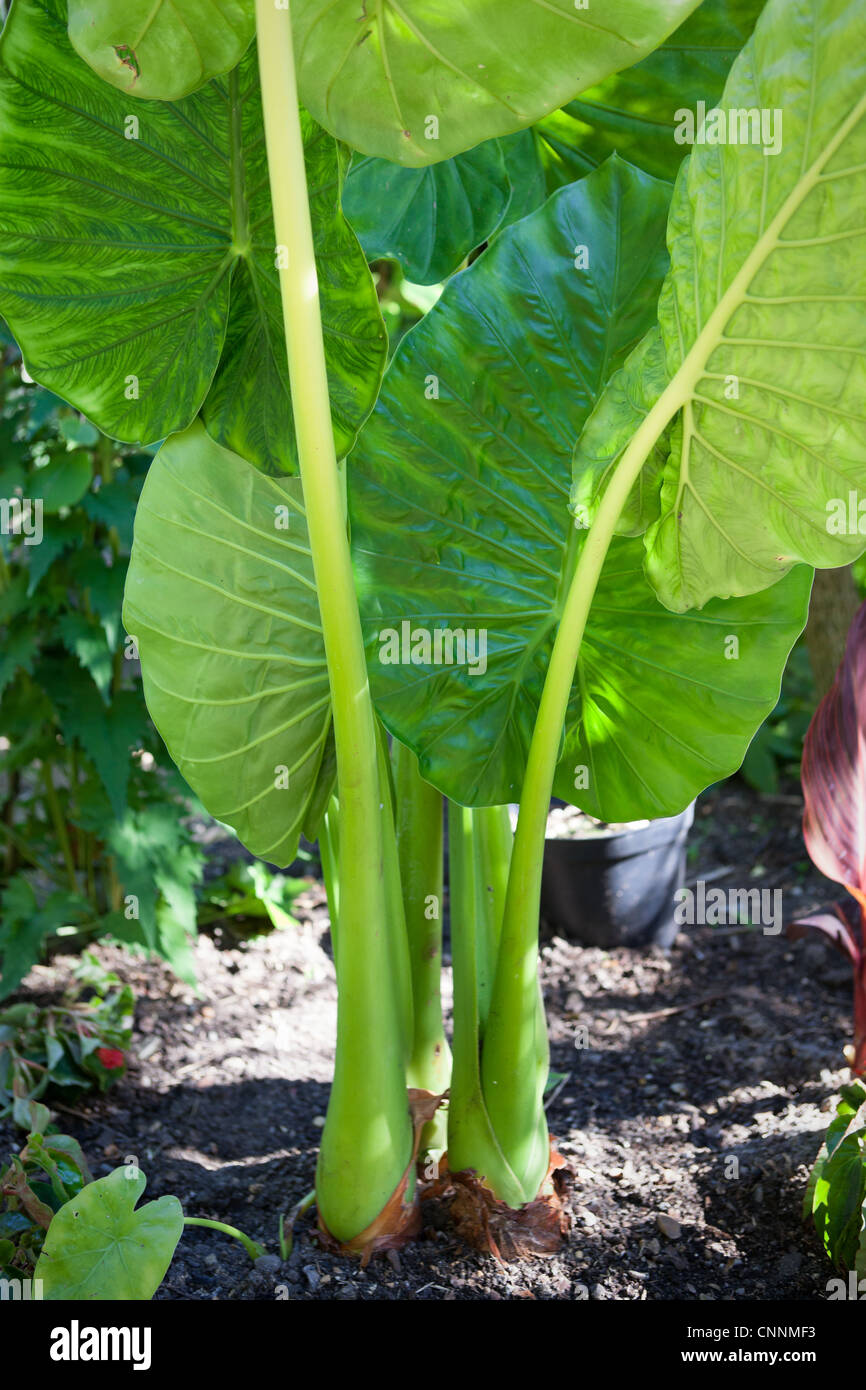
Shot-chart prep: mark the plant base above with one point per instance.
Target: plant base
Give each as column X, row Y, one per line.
column 399, row 1220
column 486, row 1223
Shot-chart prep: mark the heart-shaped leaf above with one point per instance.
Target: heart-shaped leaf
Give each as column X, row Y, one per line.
column 416, row 83
column 221, row 599
column 137, row 257
column 161, row 49
column 761, row 324
column 99, row 1247
column 458, row 504
column 427, row 219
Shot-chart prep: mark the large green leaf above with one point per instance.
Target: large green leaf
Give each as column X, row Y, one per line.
column 137, row 258
column 98, row 1247
column 416, row 83
column 221, row 598
column 459, row 521
column 762, row 329
column 428, row 219
column 635, row 112
column 162, row 49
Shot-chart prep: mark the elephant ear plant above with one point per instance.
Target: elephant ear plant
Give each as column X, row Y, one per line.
column 681, row 367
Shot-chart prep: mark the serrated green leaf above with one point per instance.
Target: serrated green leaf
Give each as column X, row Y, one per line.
column 106, row 734
column 86, row 640
column 427, row 219
column 416, row 83
column 99, row 1247
column 57, row 537
column 137, row 256
column 102, row 587
column 25, row 926
column 18, row 654
column 161, row 49
column 762, row 323
column 458, row 509
column 221, row 599
column 114, row 505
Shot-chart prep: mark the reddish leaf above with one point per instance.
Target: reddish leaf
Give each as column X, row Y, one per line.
column 836, row 930
column 834, row 823
column 834, row 772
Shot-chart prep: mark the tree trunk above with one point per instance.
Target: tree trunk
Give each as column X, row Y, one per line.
column 834, row 602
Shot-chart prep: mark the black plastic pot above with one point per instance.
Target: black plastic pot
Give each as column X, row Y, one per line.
column 617, row 889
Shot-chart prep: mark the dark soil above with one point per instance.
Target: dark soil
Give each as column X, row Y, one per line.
column 698, row 1084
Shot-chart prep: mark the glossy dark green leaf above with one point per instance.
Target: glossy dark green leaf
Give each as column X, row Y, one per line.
column 761, row 326
column 428, row 219
column 525, row 174
column 458, row 504
column 221, row 599
column 161, row 49
column 635, row 111
column 416, row 83
column 100, row 1248
column 137, row 258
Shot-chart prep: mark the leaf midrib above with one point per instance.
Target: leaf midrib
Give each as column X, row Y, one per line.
column 682, row 385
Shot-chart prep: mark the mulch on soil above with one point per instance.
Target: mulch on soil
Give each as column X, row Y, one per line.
column 697, row 1086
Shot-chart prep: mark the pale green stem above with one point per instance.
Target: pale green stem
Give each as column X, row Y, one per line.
column 471, row 1141
column 252, row 1247
column 492, row 845
column 513, row 1087
column 399, row 941
column 367, row 1140
column 329, row 853
column 419, row 825
column 55, row 811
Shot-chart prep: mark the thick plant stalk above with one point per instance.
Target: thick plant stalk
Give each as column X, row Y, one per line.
column 472, row 1142
column 367, row 1141
column 419, row 826
column 512, row 1086
column 479, row 852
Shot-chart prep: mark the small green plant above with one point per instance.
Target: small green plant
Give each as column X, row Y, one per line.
column 49, row 1170
column 250, row 899
column 836, row 1194
column 83, row 1238
column 70, row 1047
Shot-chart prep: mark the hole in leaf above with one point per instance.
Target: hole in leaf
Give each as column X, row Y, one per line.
column 126, row 56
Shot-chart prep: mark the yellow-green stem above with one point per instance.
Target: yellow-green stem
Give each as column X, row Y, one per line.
column 419, row 824
column 513, row 1087
column 367, row 1140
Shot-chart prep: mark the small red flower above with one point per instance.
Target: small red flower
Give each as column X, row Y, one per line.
column 110, row 1057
